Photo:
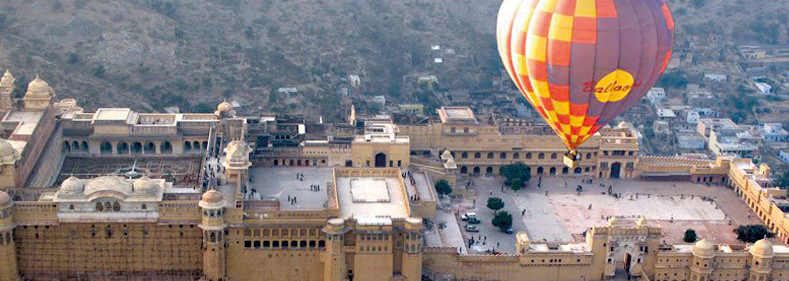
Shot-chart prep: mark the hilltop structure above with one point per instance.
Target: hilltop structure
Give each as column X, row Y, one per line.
column 118, row 194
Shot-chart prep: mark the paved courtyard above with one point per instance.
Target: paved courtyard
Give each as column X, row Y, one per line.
column 556, row 213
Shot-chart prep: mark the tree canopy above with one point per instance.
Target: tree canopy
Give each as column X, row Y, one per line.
column 516, row 175
column 443, row 188
column 502, row 220
column 495, row 204
column 690, row 236
column 752, row 233
column 782, row 180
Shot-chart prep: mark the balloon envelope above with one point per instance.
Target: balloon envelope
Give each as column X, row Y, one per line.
column 581, row 63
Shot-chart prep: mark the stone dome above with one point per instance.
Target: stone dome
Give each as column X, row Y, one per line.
column 613, row 221
column 6, row 149
column 144, row 184
column 108, row 183
column 5, row 199
column 72, row 185
column 7, row 80
column 762, row 248
column 38, row 87
column 447, row 154
column 703, row 248
column 642, row 221
column 224, row 107
column 212, row 196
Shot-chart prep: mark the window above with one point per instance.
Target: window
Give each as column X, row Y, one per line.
column 71, row 206
column 452, row 129
column 144, row 207
column 464, row 155
column 541, row 156
column 477, row 155
column 490, row 155
column 528, row 155
column 516, row 155
column 553, row 155
column 465, row 129
column 503, row 155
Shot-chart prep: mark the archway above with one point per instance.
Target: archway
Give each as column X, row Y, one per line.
column 150, row 148
column 616, row 168
column 75, row 146
column 540, row 170
column 348, row 163
column 196, row 145
column 66, row 147
column 105, row 148
column 187, row 146
column 166, row 147
column 553, row 171
column 578, row 170
column 476, row 170
column 380, row 160
column 136, row 148
column 85, row 147
column 464, row 170
column 565, row 170
column 123, row 148
column 489, row 170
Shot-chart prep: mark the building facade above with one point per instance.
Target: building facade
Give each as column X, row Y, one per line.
column 90, row 195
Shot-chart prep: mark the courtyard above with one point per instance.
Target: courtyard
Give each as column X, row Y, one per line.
column 556, row 212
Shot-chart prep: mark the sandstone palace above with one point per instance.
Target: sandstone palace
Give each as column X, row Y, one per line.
column 117, row 194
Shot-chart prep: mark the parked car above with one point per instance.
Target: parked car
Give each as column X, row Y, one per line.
column 466, row 216
column 472, row 228
column 473, row 220
column 509, row 230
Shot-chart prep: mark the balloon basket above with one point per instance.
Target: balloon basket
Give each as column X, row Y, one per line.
column 571, row 159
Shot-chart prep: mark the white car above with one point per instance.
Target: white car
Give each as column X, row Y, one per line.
column 467, row 216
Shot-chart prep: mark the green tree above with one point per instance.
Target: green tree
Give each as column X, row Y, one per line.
column 516, row 175
column 495, row 204
column 443, row 188
column 99, row 71
column 502, row 220
column 690, row 236
column 752, row 233
column 782, row 180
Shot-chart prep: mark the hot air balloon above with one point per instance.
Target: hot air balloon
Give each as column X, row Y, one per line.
column 581, row 63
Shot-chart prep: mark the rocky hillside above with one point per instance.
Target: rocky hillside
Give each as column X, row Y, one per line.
column 149, row 54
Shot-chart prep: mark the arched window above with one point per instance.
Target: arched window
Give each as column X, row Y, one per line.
column 490, row 155
column 516, row 155
column 85, row 146
column 503, row 155
column 588, row 156
column 105, row 147
column 99, row 207
column 136, row 148
column 166, row 148
column 116, row 206
column 150, row 148
column 541, row 156
column 528, row 155
column 123, row 148
column 464, row 155
column 477, row 155
column 553, row 155
column 107, row 207
column 66, row 146
column 187, row 146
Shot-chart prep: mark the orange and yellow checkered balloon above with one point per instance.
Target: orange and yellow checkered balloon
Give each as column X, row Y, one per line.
column 581, row 63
